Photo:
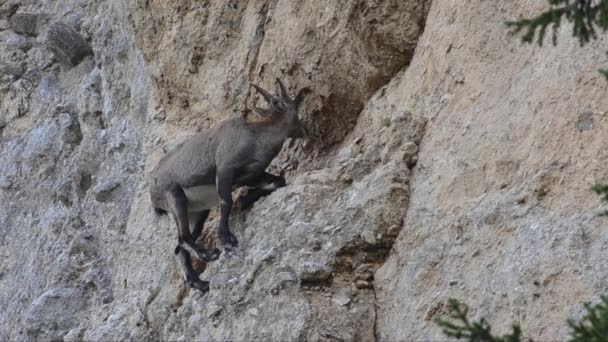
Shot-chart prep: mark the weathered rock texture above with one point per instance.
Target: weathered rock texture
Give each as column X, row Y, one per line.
column 446, row 160
column 501, row 213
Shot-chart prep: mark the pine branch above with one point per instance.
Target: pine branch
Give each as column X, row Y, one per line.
column 594, row 326
column 602, row 189
column 459, row 326
column 585, row 16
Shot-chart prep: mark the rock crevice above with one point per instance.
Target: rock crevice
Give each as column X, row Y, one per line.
column 439, row 165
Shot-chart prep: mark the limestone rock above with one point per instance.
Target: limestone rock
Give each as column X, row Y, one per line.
column 103, row 191
column 26, row 23
column 445, row 160
column 312, row 272
column 67, row 44
column 54, row 313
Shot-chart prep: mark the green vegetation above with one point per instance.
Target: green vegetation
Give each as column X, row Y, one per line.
column 586, row 17
column 459, row 326
column 602, row 190
column 592, row 328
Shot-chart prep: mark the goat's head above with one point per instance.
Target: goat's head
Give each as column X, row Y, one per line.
column 284, row 108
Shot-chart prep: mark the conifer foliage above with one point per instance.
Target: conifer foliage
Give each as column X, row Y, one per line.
column 459, row 326
column 602, row 190
column 592, row 328
column 586, row 16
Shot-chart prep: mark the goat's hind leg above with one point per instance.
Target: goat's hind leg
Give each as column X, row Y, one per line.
column 178, row 205
column 197, row 222
column 190, row 276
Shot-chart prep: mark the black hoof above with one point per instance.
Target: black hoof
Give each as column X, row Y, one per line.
column 198, row 284
column 229, row 240
column 211, row 254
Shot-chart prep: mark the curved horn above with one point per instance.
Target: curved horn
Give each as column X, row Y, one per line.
column 259, row 111
column 264, row 93
column 282, row 91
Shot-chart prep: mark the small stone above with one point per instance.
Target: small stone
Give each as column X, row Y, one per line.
column 160, row 115
column 585, row 121
column 17, row 41
column 354, row 290
column 410, row 154
column 286, row 277
column 341, row 297
column 364, row 272
column 213, row 310
column 269, row 255
column 362, row 284
column 5, row 182
column 103, row 191
column 328, row 229
column 368, row 236
column 78, row 245
column 410, row 148
column 74, row 335
column 312, row 272
column 68, row 46
column 25, row 23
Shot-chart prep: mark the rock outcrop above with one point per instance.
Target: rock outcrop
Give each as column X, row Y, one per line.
column 446, row 160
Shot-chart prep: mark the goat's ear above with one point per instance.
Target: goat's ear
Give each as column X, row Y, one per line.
column 281, row 90
column 259, row 111
column 301, row 94
column 264, row 93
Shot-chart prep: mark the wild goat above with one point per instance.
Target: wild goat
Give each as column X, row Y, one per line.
column 235, row 153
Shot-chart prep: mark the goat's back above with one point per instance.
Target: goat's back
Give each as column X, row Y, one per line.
column 190, row 163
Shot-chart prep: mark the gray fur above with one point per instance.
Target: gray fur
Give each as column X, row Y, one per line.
column 232, row 154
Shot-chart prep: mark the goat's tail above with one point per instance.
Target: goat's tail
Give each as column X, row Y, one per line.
column 160, row 211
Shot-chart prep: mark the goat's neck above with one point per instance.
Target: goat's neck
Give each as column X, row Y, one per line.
column 277, row 130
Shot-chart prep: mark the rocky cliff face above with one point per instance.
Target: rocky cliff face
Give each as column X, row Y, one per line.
column 446, row 160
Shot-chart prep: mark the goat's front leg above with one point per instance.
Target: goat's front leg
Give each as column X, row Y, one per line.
column 178, row 205
column 224, row 188
column 264, row 187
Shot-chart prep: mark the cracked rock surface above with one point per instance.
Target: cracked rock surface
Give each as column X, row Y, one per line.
column 445, row 160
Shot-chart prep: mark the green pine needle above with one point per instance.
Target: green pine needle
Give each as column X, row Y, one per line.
column 592, row 328
column 458, row 326
column 586, row 16
column 594, row 325
column 602, row 189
